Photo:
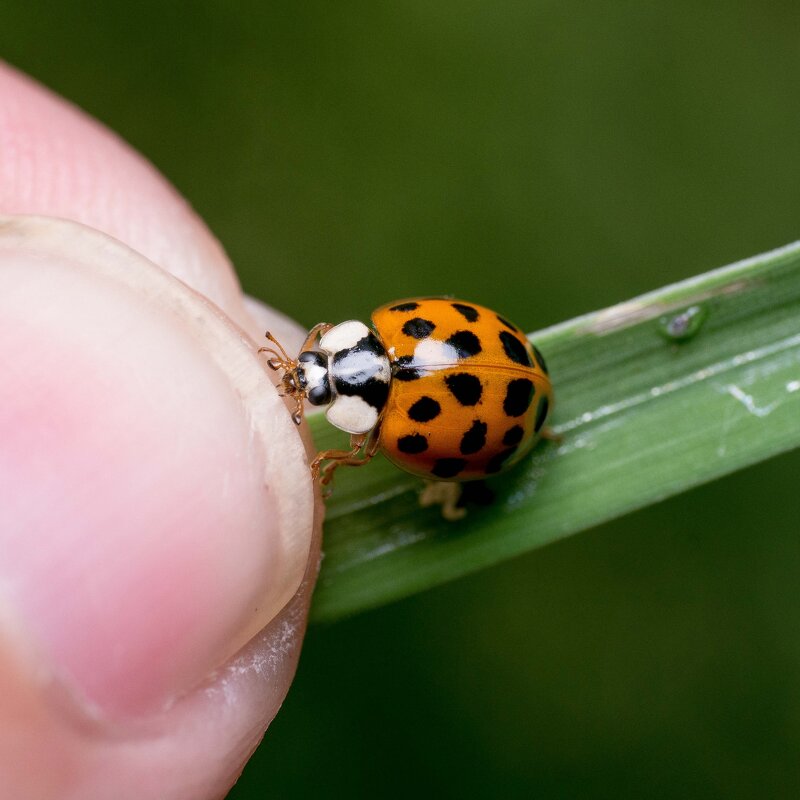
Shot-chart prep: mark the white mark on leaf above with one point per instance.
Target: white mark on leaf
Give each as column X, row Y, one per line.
column 748, row 402
column 770, row 351
column 727, row 416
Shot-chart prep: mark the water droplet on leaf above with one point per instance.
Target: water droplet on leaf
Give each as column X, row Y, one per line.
column 684, row 325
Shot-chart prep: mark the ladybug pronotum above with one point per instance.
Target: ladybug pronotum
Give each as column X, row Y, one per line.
column 447, row 390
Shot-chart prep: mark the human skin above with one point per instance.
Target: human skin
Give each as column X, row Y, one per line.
column 159, row 531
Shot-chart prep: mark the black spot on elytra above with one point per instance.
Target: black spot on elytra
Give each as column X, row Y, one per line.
column 498, row 460
column 419, row 328
column 513, row 435
column 468, row 312
column 424, row 410
column 540, row 359
column 403, row 371
column 448, row 467
column 519, row 394
column 508, row 324
column 515, row 349
column 405, row 307
column 412, row 443
column 474, row 439
column 541, row 413
column 466, row 343
column 465, row 388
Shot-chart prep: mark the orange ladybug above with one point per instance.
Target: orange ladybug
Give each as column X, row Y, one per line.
column 447, row 390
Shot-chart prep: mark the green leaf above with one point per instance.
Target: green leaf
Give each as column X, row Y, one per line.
column 653, row 396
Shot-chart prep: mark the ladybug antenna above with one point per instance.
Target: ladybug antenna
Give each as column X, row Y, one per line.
column 280, row 358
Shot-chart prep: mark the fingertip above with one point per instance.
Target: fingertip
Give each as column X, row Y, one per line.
column 176, row 480
column 143, row 601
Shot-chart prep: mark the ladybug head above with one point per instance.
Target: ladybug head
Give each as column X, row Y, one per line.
column 304, row 378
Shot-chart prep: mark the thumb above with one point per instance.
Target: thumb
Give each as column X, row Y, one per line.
column 156, row 510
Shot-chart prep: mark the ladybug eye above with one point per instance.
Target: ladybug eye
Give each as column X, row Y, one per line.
column 320, row 395
column 312, row 377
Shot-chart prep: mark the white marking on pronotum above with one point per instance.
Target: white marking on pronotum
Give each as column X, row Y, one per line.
column 793, row 386
column 358, row 366
column 343, row 335
column 352, row 414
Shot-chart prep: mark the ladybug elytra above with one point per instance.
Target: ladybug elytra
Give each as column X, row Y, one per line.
column 445, row 389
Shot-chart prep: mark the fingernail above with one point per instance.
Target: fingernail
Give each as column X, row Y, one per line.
column 155, row 502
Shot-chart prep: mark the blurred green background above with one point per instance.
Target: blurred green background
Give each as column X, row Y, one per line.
column 546, row 159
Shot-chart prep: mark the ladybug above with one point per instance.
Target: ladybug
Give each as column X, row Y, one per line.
column 447, row 390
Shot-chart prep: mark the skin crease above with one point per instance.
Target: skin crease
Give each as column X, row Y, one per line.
column 146, row 469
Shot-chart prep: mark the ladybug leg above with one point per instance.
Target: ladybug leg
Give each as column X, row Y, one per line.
column 354, row 457
column 318, row 330
column 335, row 457
column 550, row 435
column 445, row 494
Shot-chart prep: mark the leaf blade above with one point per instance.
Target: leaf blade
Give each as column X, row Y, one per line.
column 642, row 417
